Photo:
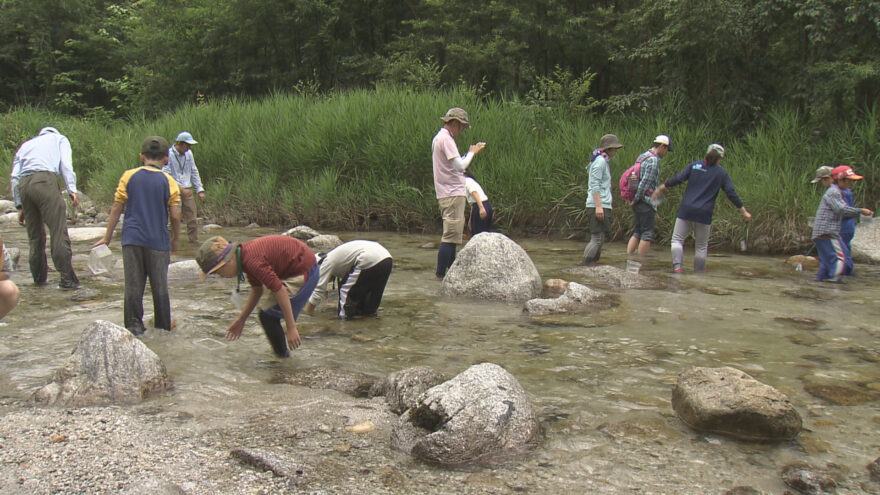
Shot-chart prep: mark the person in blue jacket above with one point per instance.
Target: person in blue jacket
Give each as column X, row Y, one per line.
column 847, row 232
column 704, row 179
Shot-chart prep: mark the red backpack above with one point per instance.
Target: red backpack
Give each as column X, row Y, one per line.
column 629, row 181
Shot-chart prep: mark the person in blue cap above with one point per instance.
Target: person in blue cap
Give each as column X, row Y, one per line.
column 182, row 167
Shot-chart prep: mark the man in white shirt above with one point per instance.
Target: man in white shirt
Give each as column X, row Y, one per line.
column 449, row 167
column 34, row 181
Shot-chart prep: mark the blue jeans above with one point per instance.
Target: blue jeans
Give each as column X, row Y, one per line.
column 298, row 301
column 831, row 259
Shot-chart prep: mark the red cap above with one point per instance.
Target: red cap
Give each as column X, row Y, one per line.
column 844, row 172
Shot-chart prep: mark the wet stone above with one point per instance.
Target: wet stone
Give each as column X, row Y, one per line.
column 807, row 339
column 812, row 444
column 730, row 402
column 641, row 429
column 743, row 490
column 85, row 294
column 807, row 479
column 817, row 358
column 302, row 232
column 842, row 395
column 352, row 383
column 553, row 287
column 753, row 274
column 716, row 291
column 614, row 277
column 800, row 323
column 806, row 262
column 809, row 293
column 874, row 469
column 324, row 243
column 264, row 460
column 403, row 388
column 867, row 355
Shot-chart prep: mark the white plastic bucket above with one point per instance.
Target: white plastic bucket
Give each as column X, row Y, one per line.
column 100, row 259
column 633, row 266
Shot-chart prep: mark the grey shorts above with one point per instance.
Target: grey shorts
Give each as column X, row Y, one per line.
column 644, row 218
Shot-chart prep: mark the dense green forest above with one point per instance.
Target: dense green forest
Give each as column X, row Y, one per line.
column 322, row 111
column 732, row 58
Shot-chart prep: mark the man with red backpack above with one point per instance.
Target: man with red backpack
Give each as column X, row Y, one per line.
column 643, row 177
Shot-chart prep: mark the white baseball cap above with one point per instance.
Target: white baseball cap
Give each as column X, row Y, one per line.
column 663, row 139
column 717, row 147
column 185, row 137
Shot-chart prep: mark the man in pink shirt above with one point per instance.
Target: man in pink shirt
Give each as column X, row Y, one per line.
column 449, row 167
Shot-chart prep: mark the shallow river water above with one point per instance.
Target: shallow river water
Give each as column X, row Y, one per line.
column 601, row 382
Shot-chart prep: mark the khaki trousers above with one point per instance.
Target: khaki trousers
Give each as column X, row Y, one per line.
column 188, row 214
column 452, row 211
column 43, row 206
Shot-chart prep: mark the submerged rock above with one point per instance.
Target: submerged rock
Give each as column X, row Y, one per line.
column 874, row 469
column 840, row 387
column 278, row 464
column 799, row 322
column 743, row 490
column 577, row 298
column 614, row 277
column 491, row 266
column 806, row 293
column 716, row 291
column 108, row 366
column 807, row 479
column 805, row 262
column 480, row 414
column 730, row 402
column 352, row 383
column 842, row 395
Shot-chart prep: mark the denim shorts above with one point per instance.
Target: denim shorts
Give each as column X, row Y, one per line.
column 644, row 216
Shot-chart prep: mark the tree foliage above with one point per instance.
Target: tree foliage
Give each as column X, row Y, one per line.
column 732, row 59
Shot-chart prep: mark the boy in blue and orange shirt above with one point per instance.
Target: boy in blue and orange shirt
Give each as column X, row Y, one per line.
column 149, row 197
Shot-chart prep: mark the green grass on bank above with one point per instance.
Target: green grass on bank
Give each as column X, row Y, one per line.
column 361, row 160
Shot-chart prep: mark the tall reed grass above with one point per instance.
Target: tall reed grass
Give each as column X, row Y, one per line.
column 361, row 159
